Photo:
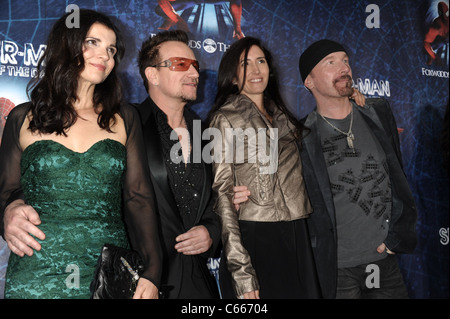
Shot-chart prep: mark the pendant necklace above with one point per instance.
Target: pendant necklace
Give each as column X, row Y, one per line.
column 349, row 134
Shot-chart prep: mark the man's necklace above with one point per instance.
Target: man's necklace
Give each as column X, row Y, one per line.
column 349, row 134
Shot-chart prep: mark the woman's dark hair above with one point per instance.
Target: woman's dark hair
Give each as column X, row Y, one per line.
column 54, row 89
column 228, row 73
column 149, row 53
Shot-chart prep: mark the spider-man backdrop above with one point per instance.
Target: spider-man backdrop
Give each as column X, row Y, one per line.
column 399, row 50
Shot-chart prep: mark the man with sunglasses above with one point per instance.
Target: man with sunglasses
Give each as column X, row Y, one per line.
column 189, row 229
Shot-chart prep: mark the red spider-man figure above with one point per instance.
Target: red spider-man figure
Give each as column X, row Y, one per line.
column 437, row 34
column 169, row 8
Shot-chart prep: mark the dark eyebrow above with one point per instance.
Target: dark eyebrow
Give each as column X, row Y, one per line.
column 97, row 39
column 258, row 58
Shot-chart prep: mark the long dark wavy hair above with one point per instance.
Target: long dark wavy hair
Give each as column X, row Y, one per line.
column 53, row 91
column 228, row 73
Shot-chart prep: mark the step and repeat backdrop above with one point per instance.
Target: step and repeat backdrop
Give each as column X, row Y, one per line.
column 399, row 50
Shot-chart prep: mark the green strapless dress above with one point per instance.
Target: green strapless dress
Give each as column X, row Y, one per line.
column 78, row 198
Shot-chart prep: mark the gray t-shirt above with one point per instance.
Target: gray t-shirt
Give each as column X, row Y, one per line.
column 361, row 189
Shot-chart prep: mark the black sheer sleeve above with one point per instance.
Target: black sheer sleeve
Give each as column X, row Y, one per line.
column 10, row 155
column 138, row 199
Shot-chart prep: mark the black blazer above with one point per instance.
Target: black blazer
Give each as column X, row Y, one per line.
column 170, row 221
column 401, row 236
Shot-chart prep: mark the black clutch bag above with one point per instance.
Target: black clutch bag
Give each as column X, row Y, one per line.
column 117, row 273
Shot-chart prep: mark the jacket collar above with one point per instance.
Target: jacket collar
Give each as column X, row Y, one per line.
column 249, row 111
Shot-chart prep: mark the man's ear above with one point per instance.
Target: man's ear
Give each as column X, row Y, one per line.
column 152, row 76
column 309, row 83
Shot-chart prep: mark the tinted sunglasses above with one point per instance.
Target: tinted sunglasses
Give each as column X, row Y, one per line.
column 178, row 64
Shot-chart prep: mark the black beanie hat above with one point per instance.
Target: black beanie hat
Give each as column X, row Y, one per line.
column 315, row 53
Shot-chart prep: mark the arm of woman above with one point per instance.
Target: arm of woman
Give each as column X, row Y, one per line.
column 237, row 257
column 139, row 207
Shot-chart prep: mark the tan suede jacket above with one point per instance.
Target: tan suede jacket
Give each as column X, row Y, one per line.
column 277, row 191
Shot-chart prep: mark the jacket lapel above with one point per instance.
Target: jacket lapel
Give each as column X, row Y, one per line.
column 312, row 144
column 381, row 132
column 154, row 152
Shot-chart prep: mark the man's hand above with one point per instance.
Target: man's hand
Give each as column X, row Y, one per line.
column 20, row 221
column 382, row 248
column 195, row 241
column 145, row 290
column 241, row 194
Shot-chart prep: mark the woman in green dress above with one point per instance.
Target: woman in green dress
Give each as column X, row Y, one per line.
column 77, row 154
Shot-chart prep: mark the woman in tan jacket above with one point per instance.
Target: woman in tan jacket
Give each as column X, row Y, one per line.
column 266, row 247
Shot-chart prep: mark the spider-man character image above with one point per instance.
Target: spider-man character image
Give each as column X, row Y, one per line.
column 437, row 35
column 168, row 9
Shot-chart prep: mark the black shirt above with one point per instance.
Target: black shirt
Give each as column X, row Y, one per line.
column 184, row 178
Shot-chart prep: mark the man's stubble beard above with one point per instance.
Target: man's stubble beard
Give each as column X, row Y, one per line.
column 187, row 99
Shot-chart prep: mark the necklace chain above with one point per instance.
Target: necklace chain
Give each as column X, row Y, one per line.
column 349, row 134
